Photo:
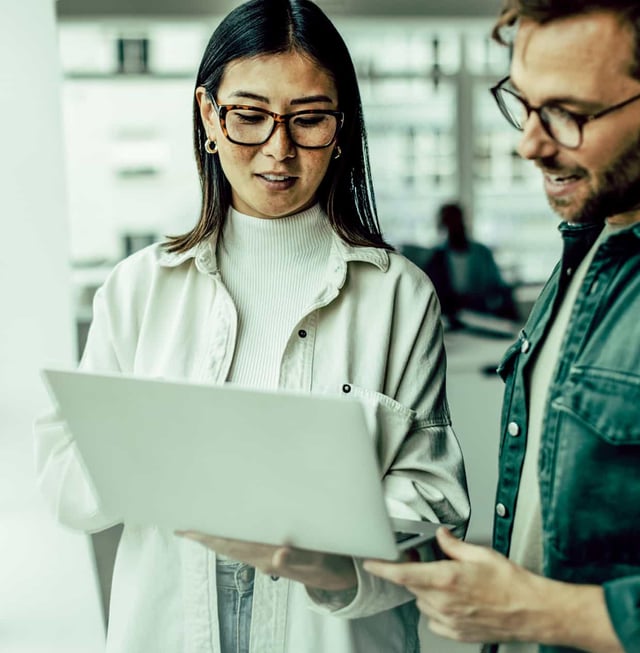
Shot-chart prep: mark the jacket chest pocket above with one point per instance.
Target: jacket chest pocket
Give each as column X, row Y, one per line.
column 388, row 420
column 595, row 492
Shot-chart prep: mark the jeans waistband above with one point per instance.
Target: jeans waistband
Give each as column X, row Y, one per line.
column 238, row 576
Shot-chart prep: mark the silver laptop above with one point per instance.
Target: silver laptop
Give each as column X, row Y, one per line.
column 273, row 467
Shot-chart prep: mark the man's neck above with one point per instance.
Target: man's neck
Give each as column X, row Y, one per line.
column 624, row 219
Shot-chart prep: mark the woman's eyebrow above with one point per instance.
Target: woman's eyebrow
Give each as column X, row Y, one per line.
column 312, row 98
column 248, row 95
column 308, row 99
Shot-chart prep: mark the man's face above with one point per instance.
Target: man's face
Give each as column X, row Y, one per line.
column 582, row 64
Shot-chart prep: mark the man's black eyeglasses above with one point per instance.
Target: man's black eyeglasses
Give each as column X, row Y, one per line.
column 565, row 127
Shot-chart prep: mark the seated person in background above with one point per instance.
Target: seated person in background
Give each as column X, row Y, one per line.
column 464, row 272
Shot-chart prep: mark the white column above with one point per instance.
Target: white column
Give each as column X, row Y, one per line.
column 49, row 598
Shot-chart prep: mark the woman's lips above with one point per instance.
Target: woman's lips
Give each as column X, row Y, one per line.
column 276, row 181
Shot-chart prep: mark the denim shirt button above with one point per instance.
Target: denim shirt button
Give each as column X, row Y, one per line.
column 501, row 510
column 302, row 333
column 513, row 429
column 525, row 346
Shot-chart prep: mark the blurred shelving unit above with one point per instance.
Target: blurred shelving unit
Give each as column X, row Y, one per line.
column 407, row 75
column 436, row 135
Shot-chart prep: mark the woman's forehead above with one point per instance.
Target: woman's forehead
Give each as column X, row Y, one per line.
column 286, row 75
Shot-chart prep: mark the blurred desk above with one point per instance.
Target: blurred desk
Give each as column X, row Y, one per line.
column 475, row 400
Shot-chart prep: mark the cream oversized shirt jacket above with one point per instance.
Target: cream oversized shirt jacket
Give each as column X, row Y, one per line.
column 374, row 328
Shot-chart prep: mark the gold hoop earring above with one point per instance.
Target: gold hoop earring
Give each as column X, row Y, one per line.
column 208, row 148
column 337, row 152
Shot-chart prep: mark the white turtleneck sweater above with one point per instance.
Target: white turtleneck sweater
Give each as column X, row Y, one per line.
column 273, row 268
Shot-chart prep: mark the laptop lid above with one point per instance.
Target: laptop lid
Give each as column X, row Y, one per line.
column 272, row 467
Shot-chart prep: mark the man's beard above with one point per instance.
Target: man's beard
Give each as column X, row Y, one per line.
column 619, row 189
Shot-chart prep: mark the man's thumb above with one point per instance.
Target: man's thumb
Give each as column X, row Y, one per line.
column 457, row 549
column 450, row 545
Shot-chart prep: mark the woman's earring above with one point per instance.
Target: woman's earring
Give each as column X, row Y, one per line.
column 337, row 152
column 209, row 148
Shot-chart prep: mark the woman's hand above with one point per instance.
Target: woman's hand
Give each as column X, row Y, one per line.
column 314, row 569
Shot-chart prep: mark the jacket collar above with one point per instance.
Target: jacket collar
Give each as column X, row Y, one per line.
column 205, row 256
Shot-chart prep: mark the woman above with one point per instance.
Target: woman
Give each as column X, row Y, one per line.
column 285, row 282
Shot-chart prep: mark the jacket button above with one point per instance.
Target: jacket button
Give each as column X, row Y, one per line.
column 526, row 345
column 346, row 388
column 513, row 429
column 302, row 333
column 501, row 510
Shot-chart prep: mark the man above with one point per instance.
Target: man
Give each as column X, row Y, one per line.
column 568, row 497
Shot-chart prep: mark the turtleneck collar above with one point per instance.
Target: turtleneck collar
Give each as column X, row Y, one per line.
column 300, row 232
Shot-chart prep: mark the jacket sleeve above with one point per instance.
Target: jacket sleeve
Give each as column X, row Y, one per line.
column 422, row 462
column 623, row 602
column 59, row 470
column 421, row 459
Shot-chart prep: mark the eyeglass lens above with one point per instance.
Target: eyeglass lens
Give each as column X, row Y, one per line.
column 305, row 129
column 558, row 123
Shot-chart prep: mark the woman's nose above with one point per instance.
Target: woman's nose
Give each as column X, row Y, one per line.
column 279, row 146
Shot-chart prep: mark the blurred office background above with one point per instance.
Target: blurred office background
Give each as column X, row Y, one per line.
column 434, row 131
column 98, row 162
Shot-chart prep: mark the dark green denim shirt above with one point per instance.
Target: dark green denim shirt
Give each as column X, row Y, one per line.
column 589, row 462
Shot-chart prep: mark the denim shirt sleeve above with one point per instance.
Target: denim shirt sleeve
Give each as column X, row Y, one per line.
column 623, row 602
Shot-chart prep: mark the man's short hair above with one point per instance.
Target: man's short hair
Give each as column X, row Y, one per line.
column 545, row 11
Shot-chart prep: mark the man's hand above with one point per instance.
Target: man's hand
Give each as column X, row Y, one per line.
column 314, row 569
column 481, row 596
column 477, row 596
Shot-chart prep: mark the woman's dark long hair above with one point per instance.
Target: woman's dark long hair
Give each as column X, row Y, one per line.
column 261, row 27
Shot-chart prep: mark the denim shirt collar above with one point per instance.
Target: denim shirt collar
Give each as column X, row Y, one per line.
column 568, row 229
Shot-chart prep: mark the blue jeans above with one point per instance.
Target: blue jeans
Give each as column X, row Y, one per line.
column 235, row 596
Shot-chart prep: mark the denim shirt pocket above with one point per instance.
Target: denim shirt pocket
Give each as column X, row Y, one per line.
column 388, row 420
column 605, row 400
column 595, row 490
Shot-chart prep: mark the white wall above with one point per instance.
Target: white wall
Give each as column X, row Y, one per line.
column 48, row 594
column 116, row 130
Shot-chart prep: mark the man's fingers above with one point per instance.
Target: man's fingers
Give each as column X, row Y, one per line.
column 448, row 542
column 191, row 535
column 280, row 558
column 457, row 549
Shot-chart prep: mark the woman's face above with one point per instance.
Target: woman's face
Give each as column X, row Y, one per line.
column 277, row 178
